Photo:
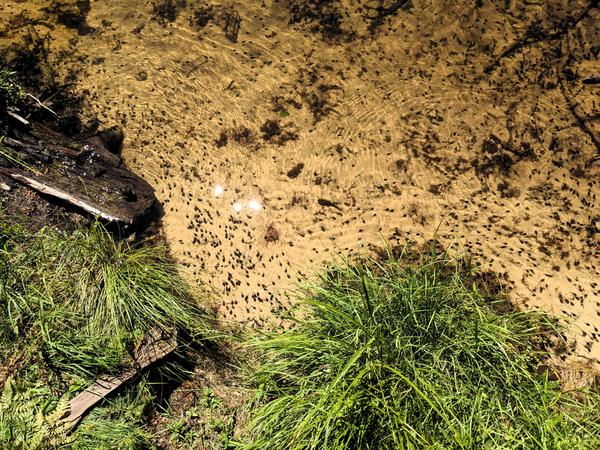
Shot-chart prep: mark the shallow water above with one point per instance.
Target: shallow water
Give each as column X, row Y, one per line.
column 295, row 142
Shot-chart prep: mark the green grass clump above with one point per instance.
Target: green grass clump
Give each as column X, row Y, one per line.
column 87, row 300
column 74, row 306
column 412, row 356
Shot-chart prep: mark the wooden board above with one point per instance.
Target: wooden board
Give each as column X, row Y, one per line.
column 157, row 349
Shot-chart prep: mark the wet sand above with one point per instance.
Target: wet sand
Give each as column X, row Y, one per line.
column 296, row 139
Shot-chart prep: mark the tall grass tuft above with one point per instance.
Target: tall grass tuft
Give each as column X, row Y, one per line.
column 87, row 300
column 412, row 356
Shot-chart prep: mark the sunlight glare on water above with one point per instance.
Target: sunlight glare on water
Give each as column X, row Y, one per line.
column 218, row 191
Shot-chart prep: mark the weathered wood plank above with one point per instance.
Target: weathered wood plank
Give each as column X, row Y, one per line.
column 156, row 349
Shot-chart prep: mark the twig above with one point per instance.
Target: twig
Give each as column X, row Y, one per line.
column 17, row 117
column 40, row 103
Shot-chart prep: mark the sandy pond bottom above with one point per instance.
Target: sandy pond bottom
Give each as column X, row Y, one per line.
column 279, row 134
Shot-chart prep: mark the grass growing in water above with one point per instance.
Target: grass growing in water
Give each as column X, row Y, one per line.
column 400, row 356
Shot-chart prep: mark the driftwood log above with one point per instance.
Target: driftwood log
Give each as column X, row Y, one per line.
column 81, row 172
